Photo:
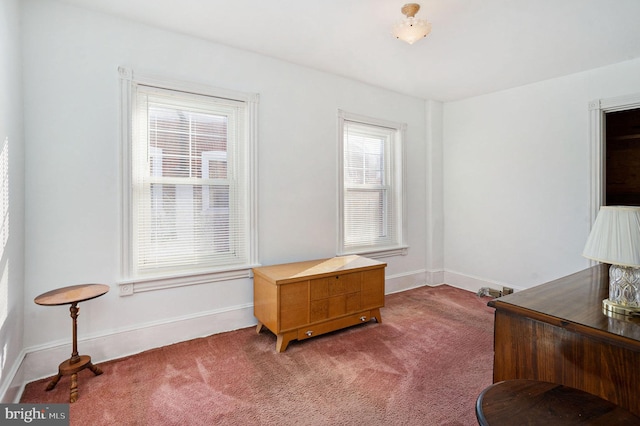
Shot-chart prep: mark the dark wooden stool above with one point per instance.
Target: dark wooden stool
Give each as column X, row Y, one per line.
column 73, row 295
column 530, row 402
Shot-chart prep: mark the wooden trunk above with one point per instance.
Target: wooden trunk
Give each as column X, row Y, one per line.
column 306, row 299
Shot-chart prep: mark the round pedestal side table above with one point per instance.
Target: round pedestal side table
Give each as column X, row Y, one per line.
column 534, row 403
column 73, row 295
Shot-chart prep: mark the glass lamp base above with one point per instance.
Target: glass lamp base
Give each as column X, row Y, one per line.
column 624, row 291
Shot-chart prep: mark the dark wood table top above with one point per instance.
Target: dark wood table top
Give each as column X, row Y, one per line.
column 530, row 402
column 575, row 303
column 71, row 294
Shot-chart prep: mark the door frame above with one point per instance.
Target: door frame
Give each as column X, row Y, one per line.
column 597, row 110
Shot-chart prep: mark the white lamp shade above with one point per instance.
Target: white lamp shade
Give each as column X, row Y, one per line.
column 615, row 236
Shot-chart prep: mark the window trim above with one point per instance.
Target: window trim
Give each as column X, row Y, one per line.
column 128, row 283
column 401, row 248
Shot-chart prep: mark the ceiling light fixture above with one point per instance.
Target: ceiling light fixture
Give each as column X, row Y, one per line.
column 411, row 29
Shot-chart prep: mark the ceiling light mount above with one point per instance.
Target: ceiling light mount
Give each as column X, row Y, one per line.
column 411, row 29
column 410, row 9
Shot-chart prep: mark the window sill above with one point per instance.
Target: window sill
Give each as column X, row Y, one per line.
column 378, row 254
column 144, row 284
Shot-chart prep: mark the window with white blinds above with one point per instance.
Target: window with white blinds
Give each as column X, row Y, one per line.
column 190, row 204
column 371, row 198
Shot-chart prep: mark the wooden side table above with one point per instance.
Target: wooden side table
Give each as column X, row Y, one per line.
column 535, row 403
column 73, row 295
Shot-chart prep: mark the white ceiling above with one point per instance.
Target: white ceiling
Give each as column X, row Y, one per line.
column 476, row 46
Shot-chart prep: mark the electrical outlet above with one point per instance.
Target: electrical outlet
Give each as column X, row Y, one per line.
column 506, row 290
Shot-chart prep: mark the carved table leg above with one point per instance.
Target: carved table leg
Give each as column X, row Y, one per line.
column 52, row 384
column 95, row 369
column 74, row 388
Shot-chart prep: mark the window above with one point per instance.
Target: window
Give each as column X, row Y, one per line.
column 371, row 192
column 189, row 187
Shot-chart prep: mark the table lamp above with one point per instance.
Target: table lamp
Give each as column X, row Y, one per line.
column 615, row 240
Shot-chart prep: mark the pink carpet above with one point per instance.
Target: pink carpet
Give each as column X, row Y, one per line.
column 424, row 365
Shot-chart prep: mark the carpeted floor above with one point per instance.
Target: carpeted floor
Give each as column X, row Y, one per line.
column 424, row 365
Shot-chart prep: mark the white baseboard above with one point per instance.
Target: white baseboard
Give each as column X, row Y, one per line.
column 12, row 388
column 471, row 283
column 42, row 361
column 435, row 278
column 405, row 281
column 38, row 363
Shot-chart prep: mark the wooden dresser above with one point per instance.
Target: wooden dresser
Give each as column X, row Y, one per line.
column 306, row 299
column 557, row 332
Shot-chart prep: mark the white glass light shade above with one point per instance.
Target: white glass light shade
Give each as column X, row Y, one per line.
column 615, row 236
column 411, row 29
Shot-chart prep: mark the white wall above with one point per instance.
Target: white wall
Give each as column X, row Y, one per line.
column 11, row 249
column 498, row 185
column 71, row 96
column 516, row 179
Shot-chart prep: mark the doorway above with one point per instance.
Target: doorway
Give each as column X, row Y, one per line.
column 602, row 115
column 622, row 157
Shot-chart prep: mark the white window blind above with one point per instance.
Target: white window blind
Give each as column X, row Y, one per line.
column 371, row 197
column 189, row 199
